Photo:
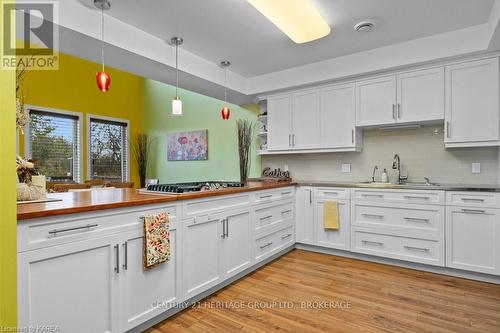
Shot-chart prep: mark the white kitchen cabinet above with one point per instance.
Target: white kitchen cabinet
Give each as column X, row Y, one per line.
column 202, row 253
column 304, row 214
column 331, row 238
column 338, row 117
column 73, row 286
column 376, row 101
column 236, row 247
column 306, row 120
column 473, row 239
column 279, row 122
column 472, row 104
column 145, row 294
column 420, row 95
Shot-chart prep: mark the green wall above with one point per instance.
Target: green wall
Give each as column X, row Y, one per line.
column 200, row 112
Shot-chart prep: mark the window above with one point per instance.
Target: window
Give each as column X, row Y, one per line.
column 53, row 141
column 108, row 148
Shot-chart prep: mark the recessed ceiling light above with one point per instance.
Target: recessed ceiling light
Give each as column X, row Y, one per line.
column 298, row 19
column 363, row 26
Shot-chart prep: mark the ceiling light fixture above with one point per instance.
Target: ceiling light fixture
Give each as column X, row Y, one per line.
column 225, row 111
column 176, row 102
column 298, row 19
column 364, row 26
column 103, row 79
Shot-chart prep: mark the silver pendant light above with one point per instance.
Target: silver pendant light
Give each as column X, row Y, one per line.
column 176, row 102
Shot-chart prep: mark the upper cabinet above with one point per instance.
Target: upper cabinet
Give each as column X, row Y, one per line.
column 279, row 121
column 472, row 104
column 416, row 96
column 305, row 120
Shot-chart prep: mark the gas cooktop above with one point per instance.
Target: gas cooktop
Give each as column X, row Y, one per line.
column 179, row 188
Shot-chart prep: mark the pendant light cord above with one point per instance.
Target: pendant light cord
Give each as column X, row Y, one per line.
column 176, row 68
column 225, row 84
column 102, row 37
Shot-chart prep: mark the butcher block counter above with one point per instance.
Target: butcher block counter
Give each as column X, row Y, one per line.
column 86, row 201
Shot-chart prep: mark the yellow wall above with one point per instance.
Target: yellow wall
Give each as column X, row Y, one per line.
column 8, row 291
column 73, row 88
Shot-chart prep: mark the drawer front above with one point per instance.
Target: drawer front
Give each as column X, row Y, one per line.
column 405, row 220
column 269, row 216
column 261, row 197
column 400, row 196
column 39, row 233
column 473, row 199
column 403, row 248
column 270, row 244
column 215, row 204
column 332, row 193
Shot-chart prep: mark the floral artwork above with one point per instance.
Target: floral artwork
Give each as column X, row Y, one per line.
column 187, row 146
column 156, row 239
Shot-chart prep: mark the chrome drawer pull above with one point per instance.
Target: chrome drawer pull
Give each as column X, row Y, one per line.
column 286, row 193
column 415, row 197
column 266, row 196
column 473, row 200
column 415, row 219
column 286, row 211
column 373, row 243
column 266, row 245
column 125, row 260
column 473, row 211
column 334, row 193
column 412, row 248
column 373, row 216
column 57, row 231
column 372, row 195
column 286, row 236
column 117, row 252
column 266, row 217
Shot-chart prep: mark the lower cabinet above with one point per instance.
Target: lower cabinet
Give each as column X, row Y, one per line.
column 305, row 214
column 73, row 286
column 473, row 239
column 333, row 238
column 236, row 244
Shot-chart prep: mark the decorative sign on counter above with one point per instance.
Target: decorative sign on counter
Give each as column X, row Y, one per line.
column 276, row 175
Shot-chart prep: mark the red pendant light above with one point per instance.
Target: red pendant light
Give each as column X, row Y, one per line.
column 103, row 79
column 225, row 111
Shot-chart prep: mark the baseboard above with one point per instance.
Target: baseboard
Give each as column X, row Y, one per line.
column 188, row 303
column 394, row 262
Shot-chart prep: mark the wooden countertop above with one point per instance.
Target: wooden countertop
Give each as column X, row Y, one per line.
column 78, row 202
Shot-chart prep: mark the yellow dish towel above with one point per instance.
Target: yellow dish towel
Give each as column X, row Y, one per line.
column 331, row 215
column 156, row 239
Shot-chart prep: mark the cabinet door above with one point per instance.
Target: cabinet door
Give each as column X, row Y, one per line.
column 421, row 95
column 279, row 110
column 338, row 116
column 237, row 243
column 147, row 293
column 472, row 109
column 376, row 101
column 305, row 215
column 473, row 239
column 201, row 254
column 72, row 286
column 305, row 120
column 336, row 239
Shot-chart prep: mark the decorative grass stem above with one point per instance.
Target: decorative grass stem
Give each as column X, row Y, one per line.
column 246, row 131
column 141, row 148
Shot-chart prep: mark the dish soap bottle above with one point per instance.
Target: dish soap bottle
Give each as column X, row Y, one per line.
column 385, row 177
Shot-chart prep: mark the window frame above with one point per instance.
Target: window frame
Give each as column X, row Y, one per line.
column 112, row 119
column 27, row 131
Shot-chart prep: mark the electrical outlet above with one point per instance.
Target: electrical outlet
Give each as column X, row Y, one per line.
column 346, row 167
column 476, row 167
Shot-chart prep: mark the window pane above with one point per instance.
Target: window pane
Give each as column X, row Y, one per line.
column 54, row 144
column 108, row 142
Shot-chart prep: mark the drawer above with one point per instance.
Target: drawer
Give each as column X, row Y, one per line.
column 215, row 204
column 403, row 248
column 405, row 220
column 400, row 196
column 332, row 193
column 50, row 231
column 284, row 193
column 270, row 244
column 473, row 199
column 267, row 218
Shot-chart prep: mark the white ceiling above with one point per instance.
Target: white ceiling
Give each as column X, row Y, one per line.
column 234, row 30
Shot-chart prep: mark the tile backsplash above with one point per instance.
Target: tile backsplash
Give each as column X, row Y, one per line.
column 422, row 154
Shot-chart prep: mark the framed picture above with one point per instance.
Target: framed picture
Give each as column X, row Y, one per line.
column 187, row 146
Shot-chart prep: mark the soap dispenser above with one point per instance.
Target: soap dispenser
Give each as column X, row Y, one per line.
column 385, row 177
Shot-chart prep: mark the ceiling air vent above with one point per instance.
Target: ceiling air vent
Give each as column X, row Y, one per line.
column 364, row 26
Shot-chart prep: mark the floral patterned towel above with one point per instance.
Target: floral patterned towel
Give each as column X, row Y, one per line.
column 156, row 239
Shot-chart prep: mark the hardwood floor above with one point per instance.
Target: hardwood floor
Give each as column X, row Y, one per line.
column 356, row 296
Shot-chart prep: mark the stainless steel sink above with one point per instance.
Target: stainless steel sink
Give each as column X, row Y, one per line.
column 394, row 185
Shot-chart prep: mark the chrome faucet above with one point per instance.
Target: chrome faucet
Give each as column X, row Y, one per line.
column 375, row 168
column 396, row 165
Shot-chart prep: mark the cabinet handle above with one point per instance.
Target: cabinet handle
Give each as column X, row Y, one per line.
column 265, row 217
column 266, row 245
column 416, row 197
column 293, row 140
column 57, row 231
column 472, row 200
column 352, row 136
column 117, row 258
column 372, row 242
column 373, row 216
column 413, row 248
column 125, row 256
column 393, row 111
column 286, row 211
column 399, row 111
column 310, row 197
column 289, row 140
column 286, row 236
column 415, row 219
column 223, row 221
column 373, row 195
column 473, row 211
column 266, row 196
column 448, row 129
column 227, row 226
